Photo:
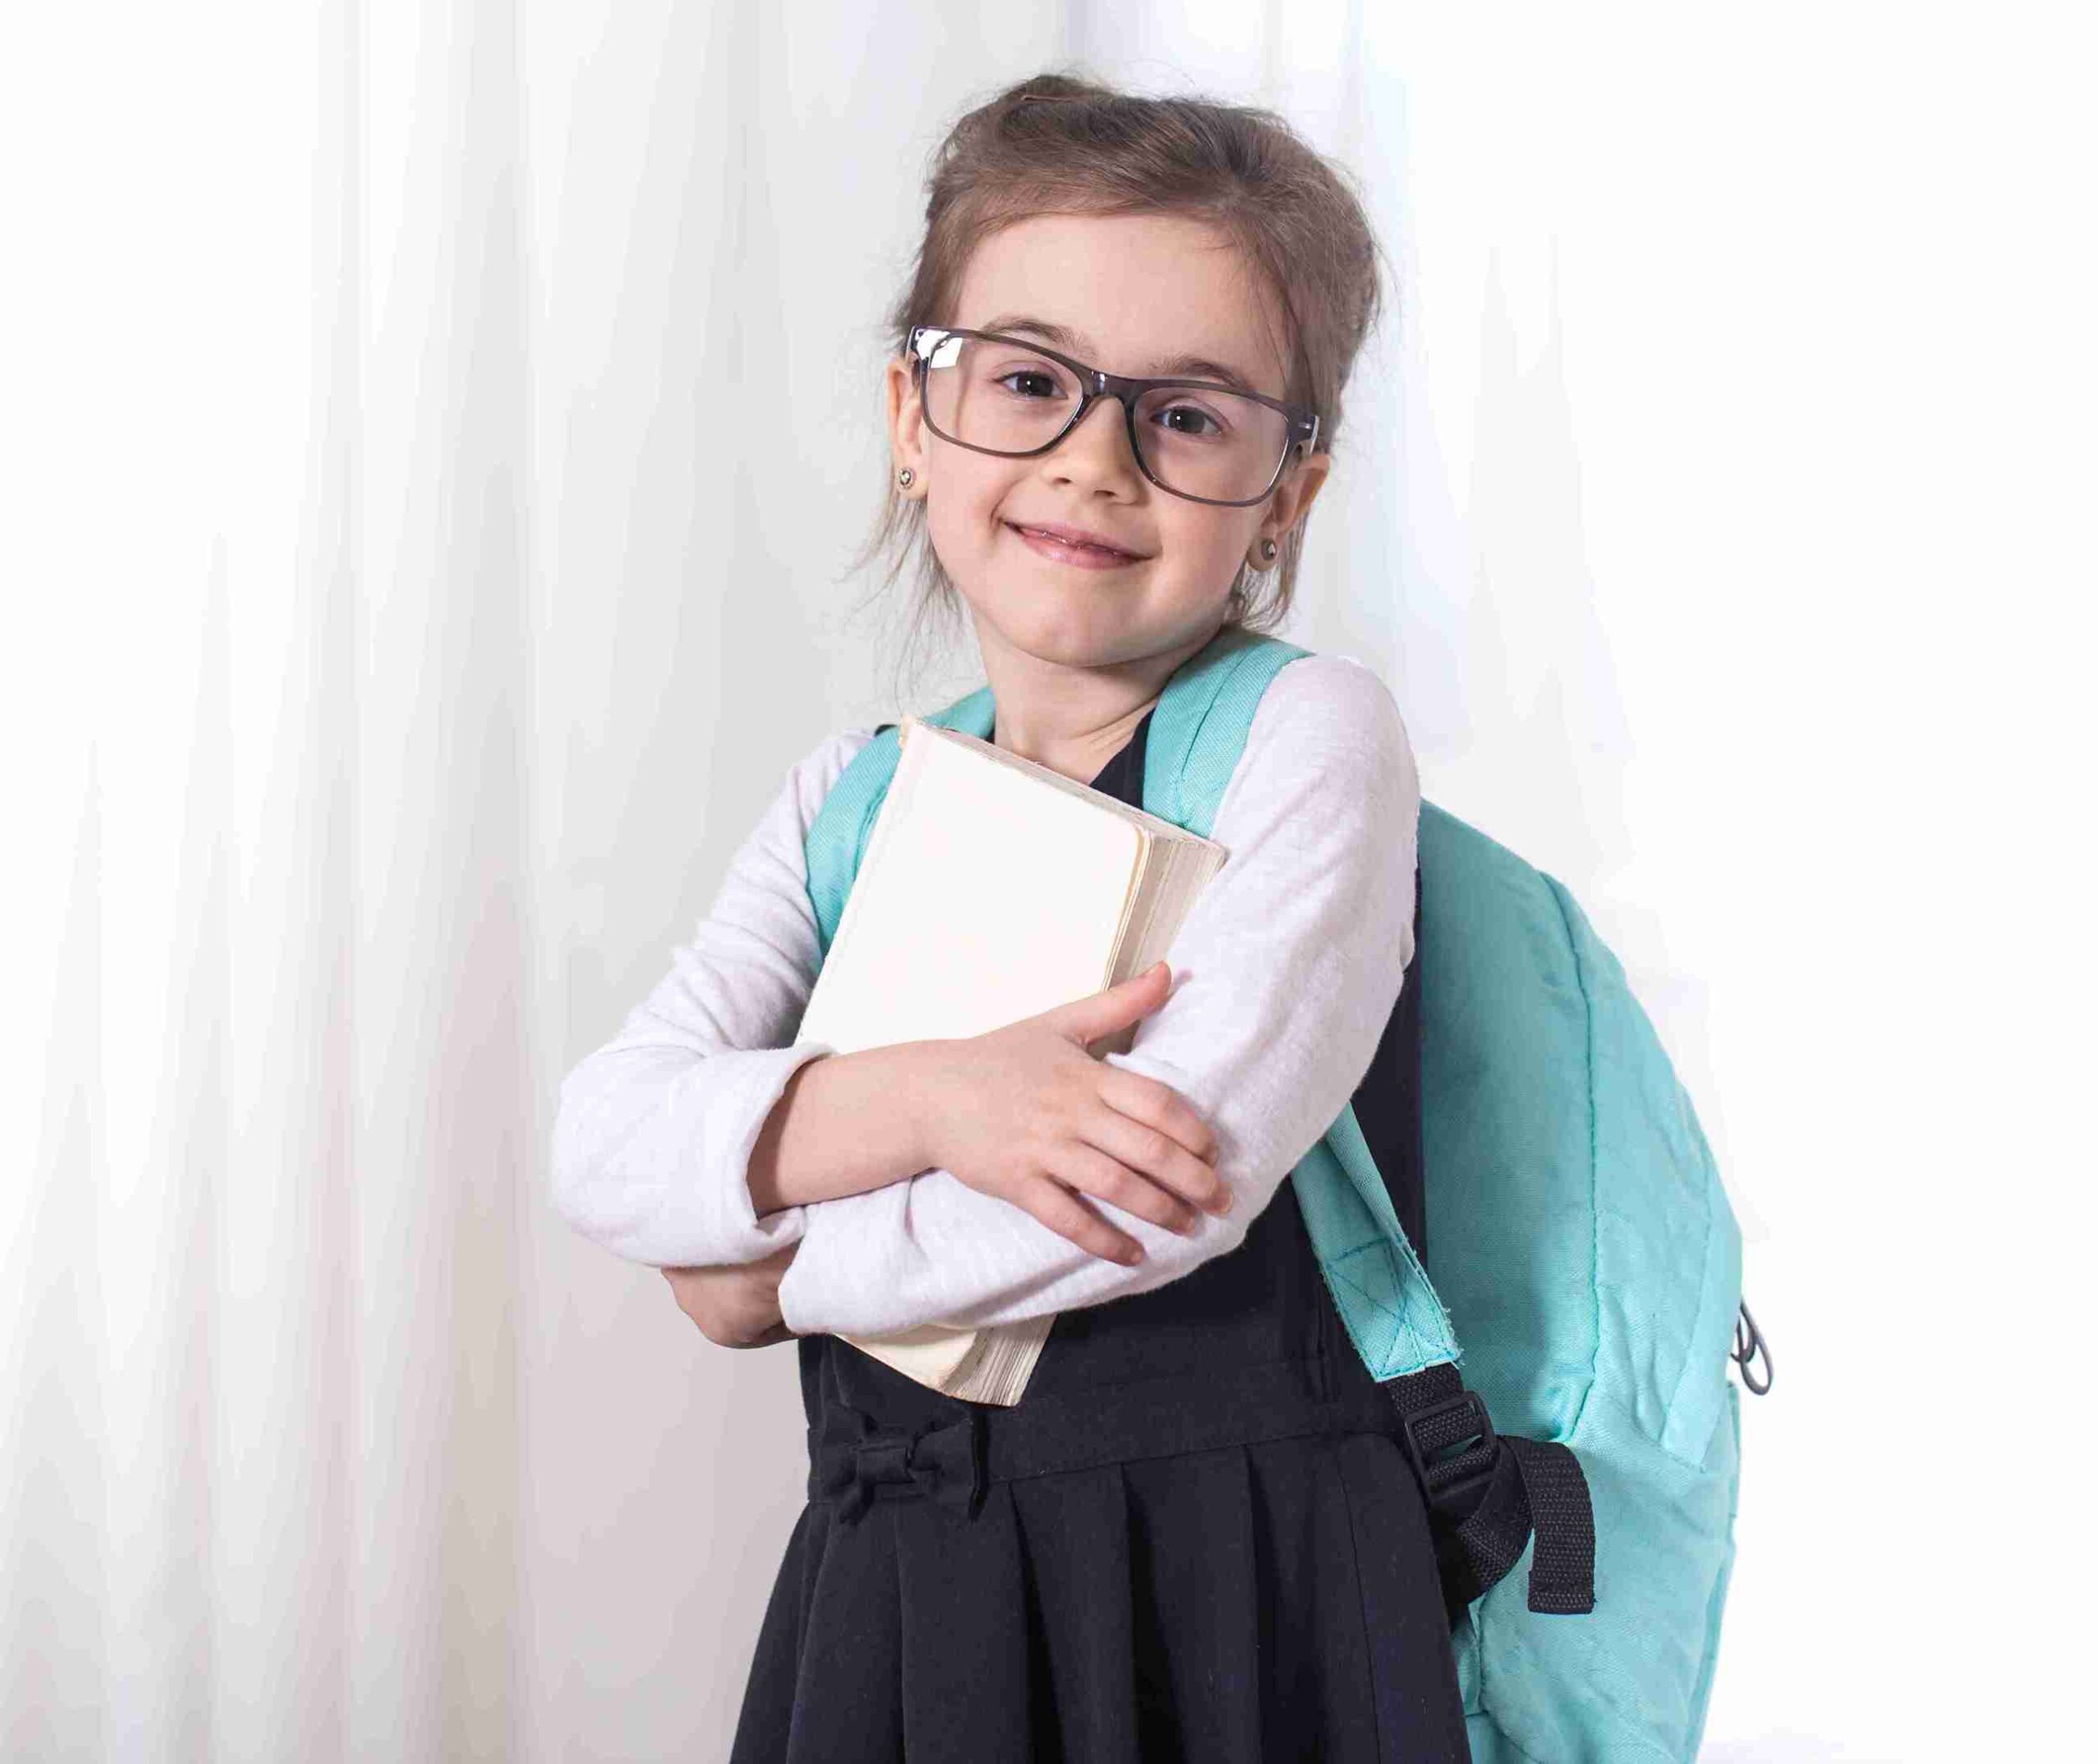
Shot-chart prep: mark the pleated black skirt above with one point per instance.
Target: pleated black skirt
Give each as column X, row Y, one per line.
column 1271, row 1597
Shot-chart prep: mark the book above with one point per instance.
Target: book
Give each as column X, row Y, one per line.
column 993, row 889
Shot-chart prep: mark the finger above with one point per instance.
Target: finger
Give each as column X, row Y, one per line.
column 1156, row 1104
column 1057, row 1207
column 1155, row 1154
column 1101, row 1014
column 1084, row 1167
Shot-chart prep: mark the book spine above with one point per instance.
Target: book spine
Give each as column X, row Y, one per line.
column 1000, row 1372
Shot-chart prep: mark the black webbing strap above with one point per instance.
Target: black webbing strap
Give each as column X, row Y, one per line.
column 1485, row 1499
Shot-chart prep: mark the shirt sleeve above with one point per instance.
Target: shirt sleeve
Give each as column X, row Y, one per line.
column 653, row 1136
column 1286, row 971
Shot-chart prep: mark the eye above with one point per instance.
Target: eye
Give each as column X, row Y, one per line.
column 1188, row 420
column 1043, row 379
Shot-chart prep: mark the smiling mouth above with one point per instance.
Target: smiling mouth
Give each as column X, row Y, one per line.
column 1052, row 546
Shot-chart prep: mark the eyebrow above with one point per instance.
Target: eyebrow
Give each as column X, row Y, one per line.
column 1197, row 367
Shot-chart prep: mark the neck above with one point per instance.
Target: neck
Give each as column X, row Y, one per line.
column 1074, row 719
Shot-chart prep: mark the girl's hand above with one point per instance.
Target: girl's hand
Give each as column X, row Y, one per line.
column 1026, row 1113
column 736, row 1305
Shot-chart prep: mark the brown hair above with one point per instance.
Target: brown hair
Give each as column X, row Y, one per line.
column 1056, row 144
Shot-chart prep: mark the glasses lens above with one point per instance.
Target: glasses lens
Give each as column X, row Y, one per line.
column 1209, row 443
column 1001, row 396
column 1006, row 398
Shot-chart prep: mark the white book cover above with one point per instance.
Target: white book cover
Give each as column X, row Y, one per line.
column 992, row 889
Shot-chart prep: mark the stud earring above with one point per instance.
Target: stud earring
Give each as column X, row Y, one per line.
column 1267, row 550
column 905, row 476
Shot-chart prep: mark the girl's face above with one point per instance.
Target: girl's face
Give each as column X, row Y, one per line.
column 1135, row 290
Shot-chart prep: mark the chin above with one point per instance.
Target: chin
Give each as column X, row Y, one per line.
column 1073, row 631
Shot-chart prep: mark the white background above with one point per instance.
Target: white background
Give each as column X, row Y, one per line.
column 434, row 437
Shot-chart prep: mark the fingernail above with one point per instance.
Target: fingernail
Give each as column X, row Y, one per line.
column 1133, row 1257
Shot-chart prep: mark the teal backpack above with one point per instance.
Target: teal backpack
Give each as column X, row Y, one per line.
column 1586, row 1257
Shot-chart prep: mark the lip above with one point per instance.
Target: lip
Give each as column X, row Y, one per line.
column 1075, row 545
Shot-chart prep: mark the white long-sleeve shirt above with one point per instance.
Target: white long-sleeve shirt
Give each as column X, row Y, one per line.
column 1285, row 973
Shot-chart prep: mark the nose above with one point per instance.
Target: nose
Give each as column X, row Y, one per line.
column 1097, row 452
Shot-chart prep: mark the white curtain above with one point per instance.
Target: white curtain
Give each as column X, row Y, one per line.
column 435, row 434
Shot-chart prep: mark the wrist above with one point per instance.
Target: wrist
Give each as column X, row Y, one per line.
column 845, row 1123
column 921, row 1083
column 763, row 1179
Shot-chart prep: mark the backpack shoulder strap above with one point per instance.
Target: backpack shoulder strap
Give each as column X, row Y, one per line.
column 1198, row 727
column 1198, row 732
column 837, row 838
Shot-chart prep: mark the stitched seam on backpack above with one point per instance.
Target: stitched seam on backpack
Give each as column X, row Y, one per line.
column 1408, row 1332
column 1708, row 1174
column 1377, row 1308
column 1401, row 1258
column 1559, row 901
column 1506, row 1739
column 1402, row 1331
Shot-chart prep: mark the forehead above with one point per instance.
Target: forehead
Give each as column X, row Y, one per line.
column 1136, row 292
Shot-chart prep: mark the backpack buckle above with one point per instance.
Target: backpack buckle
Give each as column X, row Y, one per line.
column 1748, row 1343
column 1435, row 1427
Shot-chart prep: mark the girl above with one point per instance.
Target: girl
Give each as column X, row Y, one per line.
column 1196, row 1536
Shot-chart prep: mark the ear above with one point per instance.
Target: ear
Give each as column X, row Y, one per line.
column 906, row 426
column 1293, row 496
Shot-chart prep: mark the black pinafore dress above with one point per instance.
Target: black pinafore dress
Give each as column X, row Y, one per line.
column 1195, row 1537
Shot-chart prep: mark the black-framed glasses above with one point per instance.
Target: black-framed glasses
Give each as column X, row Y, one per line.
column 995, row 393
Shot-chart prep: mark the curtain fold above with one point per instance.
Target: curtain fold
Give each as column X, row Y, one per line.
column 263, row 1422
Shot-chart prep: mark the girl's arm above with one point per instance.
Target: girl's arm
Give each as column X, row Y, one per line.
column 1286, row 972
column 656, row 1129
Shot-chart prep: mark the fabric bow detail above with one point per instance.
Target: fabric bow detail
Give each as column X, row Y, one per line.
column 946, row 1463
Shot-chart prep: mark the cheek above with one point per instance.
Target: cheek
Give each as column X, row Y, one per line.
column 1209, row 550
column 948, row 521
column 964, row 510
